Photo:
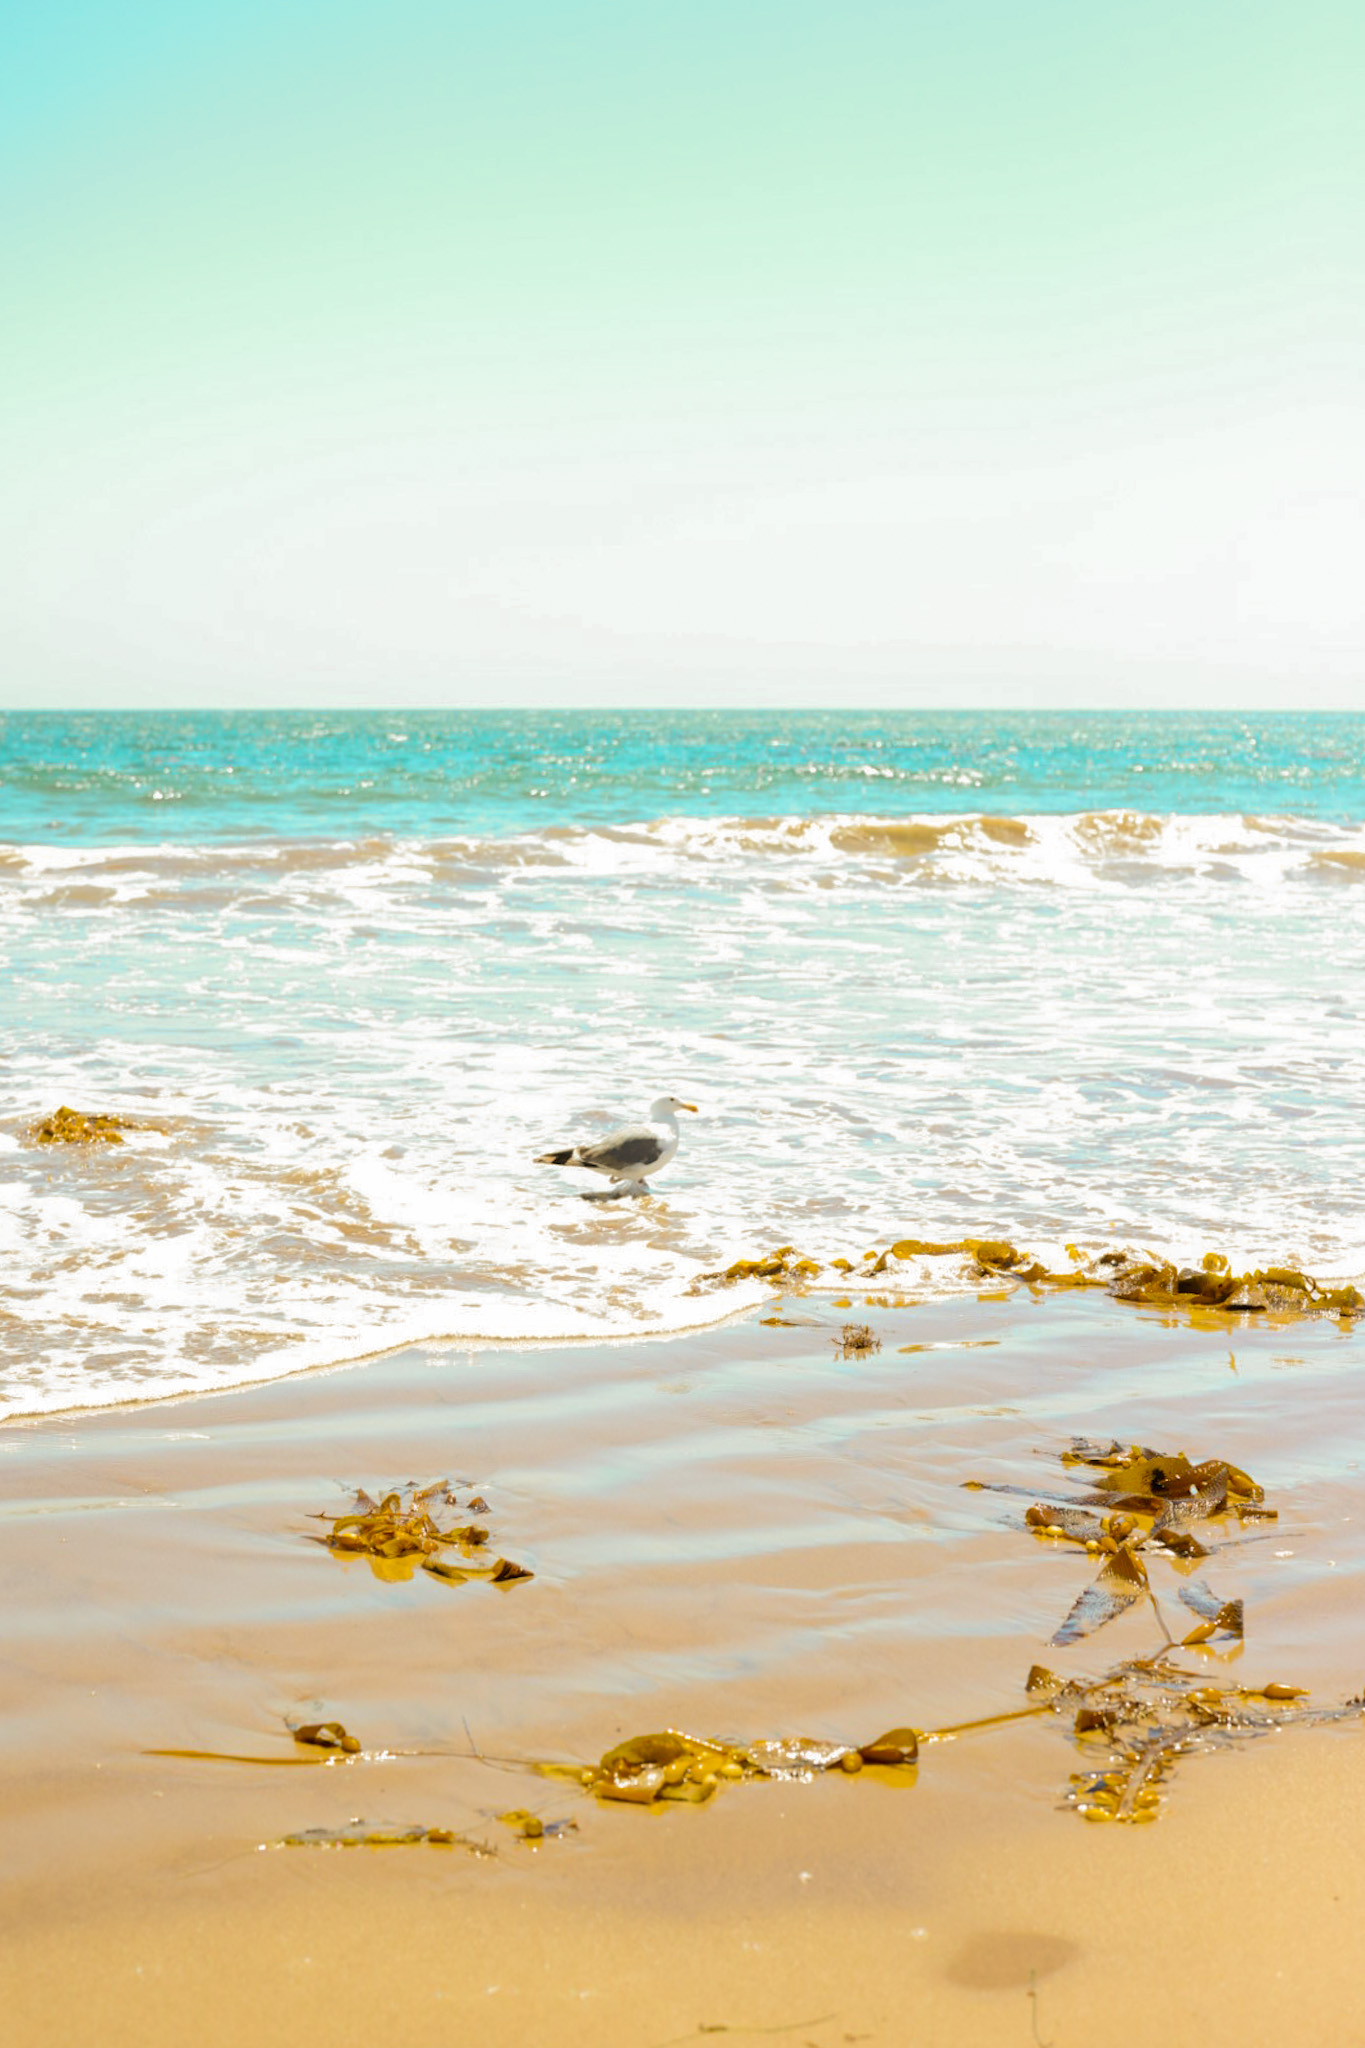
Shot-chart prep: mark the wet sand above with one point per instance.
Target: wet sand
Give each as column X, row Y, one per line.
column 740, row 1533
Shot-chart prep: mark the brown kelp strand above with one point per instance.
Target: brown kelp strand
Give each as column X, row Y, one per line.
column 1126, row 1276
column 322, row 1742
column 410, row 1527
column 360, row 1834
column 678, row 1769
column 645, row 1770
column 1132, row 1725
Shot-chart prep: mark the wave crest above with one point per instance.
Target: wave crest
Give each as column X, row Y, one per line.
column 1077, row 849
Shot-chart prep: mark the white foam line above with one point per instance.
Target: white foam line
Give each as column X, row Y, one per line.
column 319, row 1359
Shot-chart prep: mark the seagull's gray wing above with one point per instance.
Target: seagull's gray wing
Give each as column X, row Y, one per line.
column 633, row 1145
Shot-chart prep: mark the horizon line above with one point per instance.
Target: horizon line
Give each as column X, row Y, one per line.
column 428, row 710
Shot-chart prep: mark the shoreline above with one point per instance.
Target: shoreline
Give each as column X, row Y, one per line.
column 733, row 1530
column 358, row 1361
column 914, row 1280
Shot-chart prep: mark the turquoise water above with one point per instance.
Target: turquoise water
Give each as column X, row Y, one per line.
column 297, row 774
column 1058, row 978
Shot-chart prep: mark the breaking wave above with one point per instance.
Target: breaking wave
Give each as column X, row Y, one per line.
column 1086, row 849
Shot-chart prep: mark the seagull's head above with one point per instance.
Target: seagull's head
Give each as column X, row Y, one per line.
column 667, row 1107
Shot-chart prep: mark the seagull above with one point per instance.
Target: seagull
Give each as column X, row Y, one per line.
column 629, row 1153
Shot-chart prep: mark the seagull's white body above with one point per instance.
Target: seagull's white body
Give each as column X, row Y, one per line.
column 630, row 1153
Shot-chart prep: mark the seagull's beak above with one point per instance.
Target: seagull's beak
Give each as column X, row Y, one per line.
column 689, row 1105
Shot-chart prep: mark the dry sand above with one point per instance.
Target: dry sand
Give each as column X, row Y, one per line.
column 739, row 1533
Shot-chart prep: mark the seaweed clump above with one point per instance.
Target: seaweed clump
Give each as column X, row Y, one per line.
column 783, row 1265
column 1212, row 1284
column 1146, row 1714
column 1126, row 1276
column 1142, row 1502
column 400, row 1533
column 1143, row 1717
column 678, row 1769
column 74, row 1127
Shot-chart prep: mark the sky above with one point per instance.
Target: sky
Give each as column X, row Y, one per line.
column 596, row 351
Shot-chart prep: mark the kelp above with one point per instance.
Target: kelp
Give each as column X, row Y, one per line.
column 327, row 1735
column 673, row 1768
column 230, row 1756
column 323, row 1742
column 1133, row 1726
column 1143, row 1502
column 1212, row 1284
column 400, row 1533
column 77, row 1127
column 1149, row 1714
column 1160, row 1284
column 1122, row 1580
column 1216, row 1617
column 670, row 1767
column 532, row 1827
column 360, row 1834
column 855, row 1339
column 1128, row 1276
column 1167, row 1487
column 786, row 1263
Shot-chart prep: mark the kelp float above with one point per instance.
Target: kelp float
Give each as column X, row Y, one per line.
column 408, row 1529
column 1126, row 1276
column 328, row 1735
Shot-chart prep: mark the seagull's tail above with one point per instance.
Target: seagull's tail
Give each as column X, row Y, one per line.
column 556, row 1158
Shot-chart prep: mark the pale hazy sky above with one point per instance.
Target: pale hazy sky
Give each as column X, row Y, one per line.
column 599, row 351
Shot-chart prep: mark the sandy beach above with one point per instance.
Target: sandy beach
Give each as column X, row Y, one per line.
column 740, row 1533
column 682, row 989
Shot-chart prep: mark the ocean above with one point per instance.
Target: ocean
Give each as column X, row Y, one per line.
column 1090, row 979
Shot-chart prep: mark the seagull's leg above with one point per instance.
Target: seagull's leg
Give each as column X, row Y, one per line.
column 614, row 1193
